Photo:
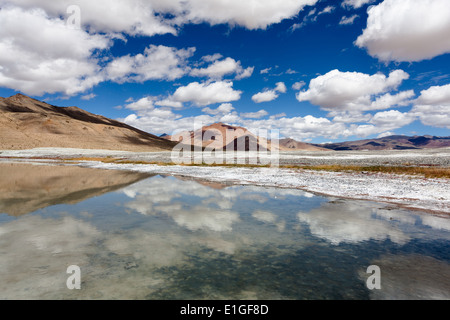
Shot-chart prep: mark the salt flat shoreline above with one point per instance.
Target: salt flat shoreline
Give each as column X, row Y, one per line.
column 413, row 192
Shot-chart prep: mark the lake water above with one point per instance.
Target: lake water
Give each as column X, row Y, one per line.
column 136, row 236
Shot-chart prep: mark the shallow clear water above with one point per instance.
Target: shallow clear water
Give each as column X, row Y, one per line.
column 137, row 236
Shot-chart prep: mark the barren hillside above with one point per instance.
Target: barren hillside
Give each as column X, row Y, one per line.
column 27, row 123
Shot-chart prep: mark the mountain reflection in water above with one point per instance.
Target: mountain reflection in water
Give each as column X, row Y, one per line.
column 141, row 237
column 27, row 188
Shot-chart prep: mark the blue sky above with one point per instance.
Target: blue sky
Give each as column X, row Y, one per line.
column 316, row 70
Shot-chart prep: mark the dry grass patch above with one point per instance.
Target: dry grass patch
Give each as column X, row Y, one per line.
column 105, row 160
column 159, row 163
column 427, row 172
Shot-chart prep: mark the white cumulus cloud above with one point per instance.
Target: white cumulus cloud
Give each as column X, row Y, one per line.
column 203, row 94
column 44, row 55
column 224, row 108
column 221, row 68
column 348, row 20
column 281, row 87
column 133, row 17
column 150, row 17
column 39, row 54
column 156, row 63
column 270, row 95
column 407, row 30
column 352, row 91
column 255, row 115
column 298, row 85
column 256, row 14
column 392, row 119
column 265, row 96
column 355, row 3
column 433, row 106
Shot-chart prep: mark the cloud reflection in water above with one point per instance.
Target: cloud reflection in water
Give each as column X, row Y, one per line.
column 188, row 239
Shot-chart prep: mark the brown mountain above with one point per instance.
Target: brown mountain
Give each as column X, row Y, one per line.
column 391, row 143
column 221, row 136
column 294, row 145
column 27, row 123
column 227, row 137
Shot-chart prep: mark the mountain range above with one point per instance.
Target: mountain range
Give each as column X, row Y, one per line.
column 395, row 142
column 214, row 136
column 27, row 123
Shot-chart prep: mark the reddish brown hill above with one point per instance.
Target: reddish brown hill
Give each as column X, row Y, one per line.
column 226, row 137
column 221, row 136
